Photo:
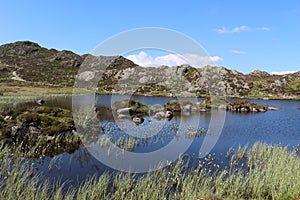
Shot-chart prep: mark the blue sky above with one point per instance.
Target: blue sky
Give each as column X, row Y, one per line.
column 243, row 35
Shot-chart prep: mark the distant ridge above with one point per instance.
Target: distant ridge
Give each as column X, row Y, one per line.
column 37, row 65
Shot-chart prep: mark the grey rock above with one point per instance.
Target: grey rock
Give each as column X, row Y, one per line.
column 7, row 118
column 50, row 138
column 34, row 130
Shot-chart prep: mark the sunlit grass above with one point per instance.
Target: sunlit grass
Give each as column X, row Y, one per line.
column 260, row 172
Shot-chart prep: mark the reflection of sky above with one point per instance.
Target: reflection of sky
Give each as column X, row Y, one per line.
column 280, row 126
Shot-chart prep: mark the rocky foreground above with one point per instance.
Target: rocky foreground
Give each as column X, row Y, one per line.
column 28, row 64
column 40, row 129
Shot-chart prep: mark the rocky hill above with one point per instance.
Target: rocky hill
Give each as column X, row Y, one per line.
column 27, row 63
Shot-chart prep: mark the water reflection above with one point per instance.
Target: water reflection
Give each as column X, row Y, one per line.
column 272, row 127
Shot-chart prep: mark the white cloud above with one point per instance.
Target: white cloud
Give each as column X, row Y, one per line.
column 263, row 29
column 283, row 72
column 238, row 52
column 143, row 59
column 225, row 30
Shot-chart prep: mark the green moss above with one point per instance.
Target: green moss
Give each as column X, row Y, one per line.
column 192, row 74
column 50, row 120
column 247, row 104
column 152, row 90
column 294, row 85
column 135, row 105
column 257, row 89
column 209, row 103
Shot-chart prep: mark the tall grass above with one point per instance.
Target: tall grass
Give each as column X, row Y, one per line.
column 260, row 172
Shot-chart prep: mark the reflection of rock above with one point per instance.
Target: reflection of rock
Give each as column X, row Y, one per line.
column 187, row 108
column 138, row 120
column 202, row 109
column 169, row 114
column 159, row 115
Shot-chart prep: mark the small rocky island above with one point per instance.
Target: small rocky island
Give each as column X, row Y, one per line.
column 134, row 109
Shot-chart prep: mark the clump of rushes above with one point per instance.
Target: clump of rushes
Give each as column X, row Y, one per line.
column 271, row 172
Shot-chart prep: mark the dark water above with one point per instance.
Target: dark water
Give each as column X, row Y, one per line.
column 272, row 127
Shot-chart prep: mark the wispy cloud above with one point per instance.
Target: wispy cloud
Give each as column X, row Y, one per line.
column 225, row 30
column 283, row 72
column 263, row 29
column 145, row 60
column 238, row 52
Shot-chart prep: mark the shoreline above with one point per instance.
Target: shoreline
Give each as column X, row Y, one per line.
column 42, row 90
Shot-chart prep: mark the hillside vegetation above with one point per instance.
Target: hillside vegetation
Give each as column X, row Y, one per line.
column 26, row 64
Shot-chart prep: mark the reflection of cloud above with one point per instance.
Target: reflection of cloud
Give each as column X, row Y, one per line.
column 143, row 59
column 283, row 72
column 225, row 30
column 238, row 52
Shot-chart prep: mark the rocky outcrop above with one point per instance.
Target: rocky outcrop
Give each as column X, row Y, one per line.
column 245, row 106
